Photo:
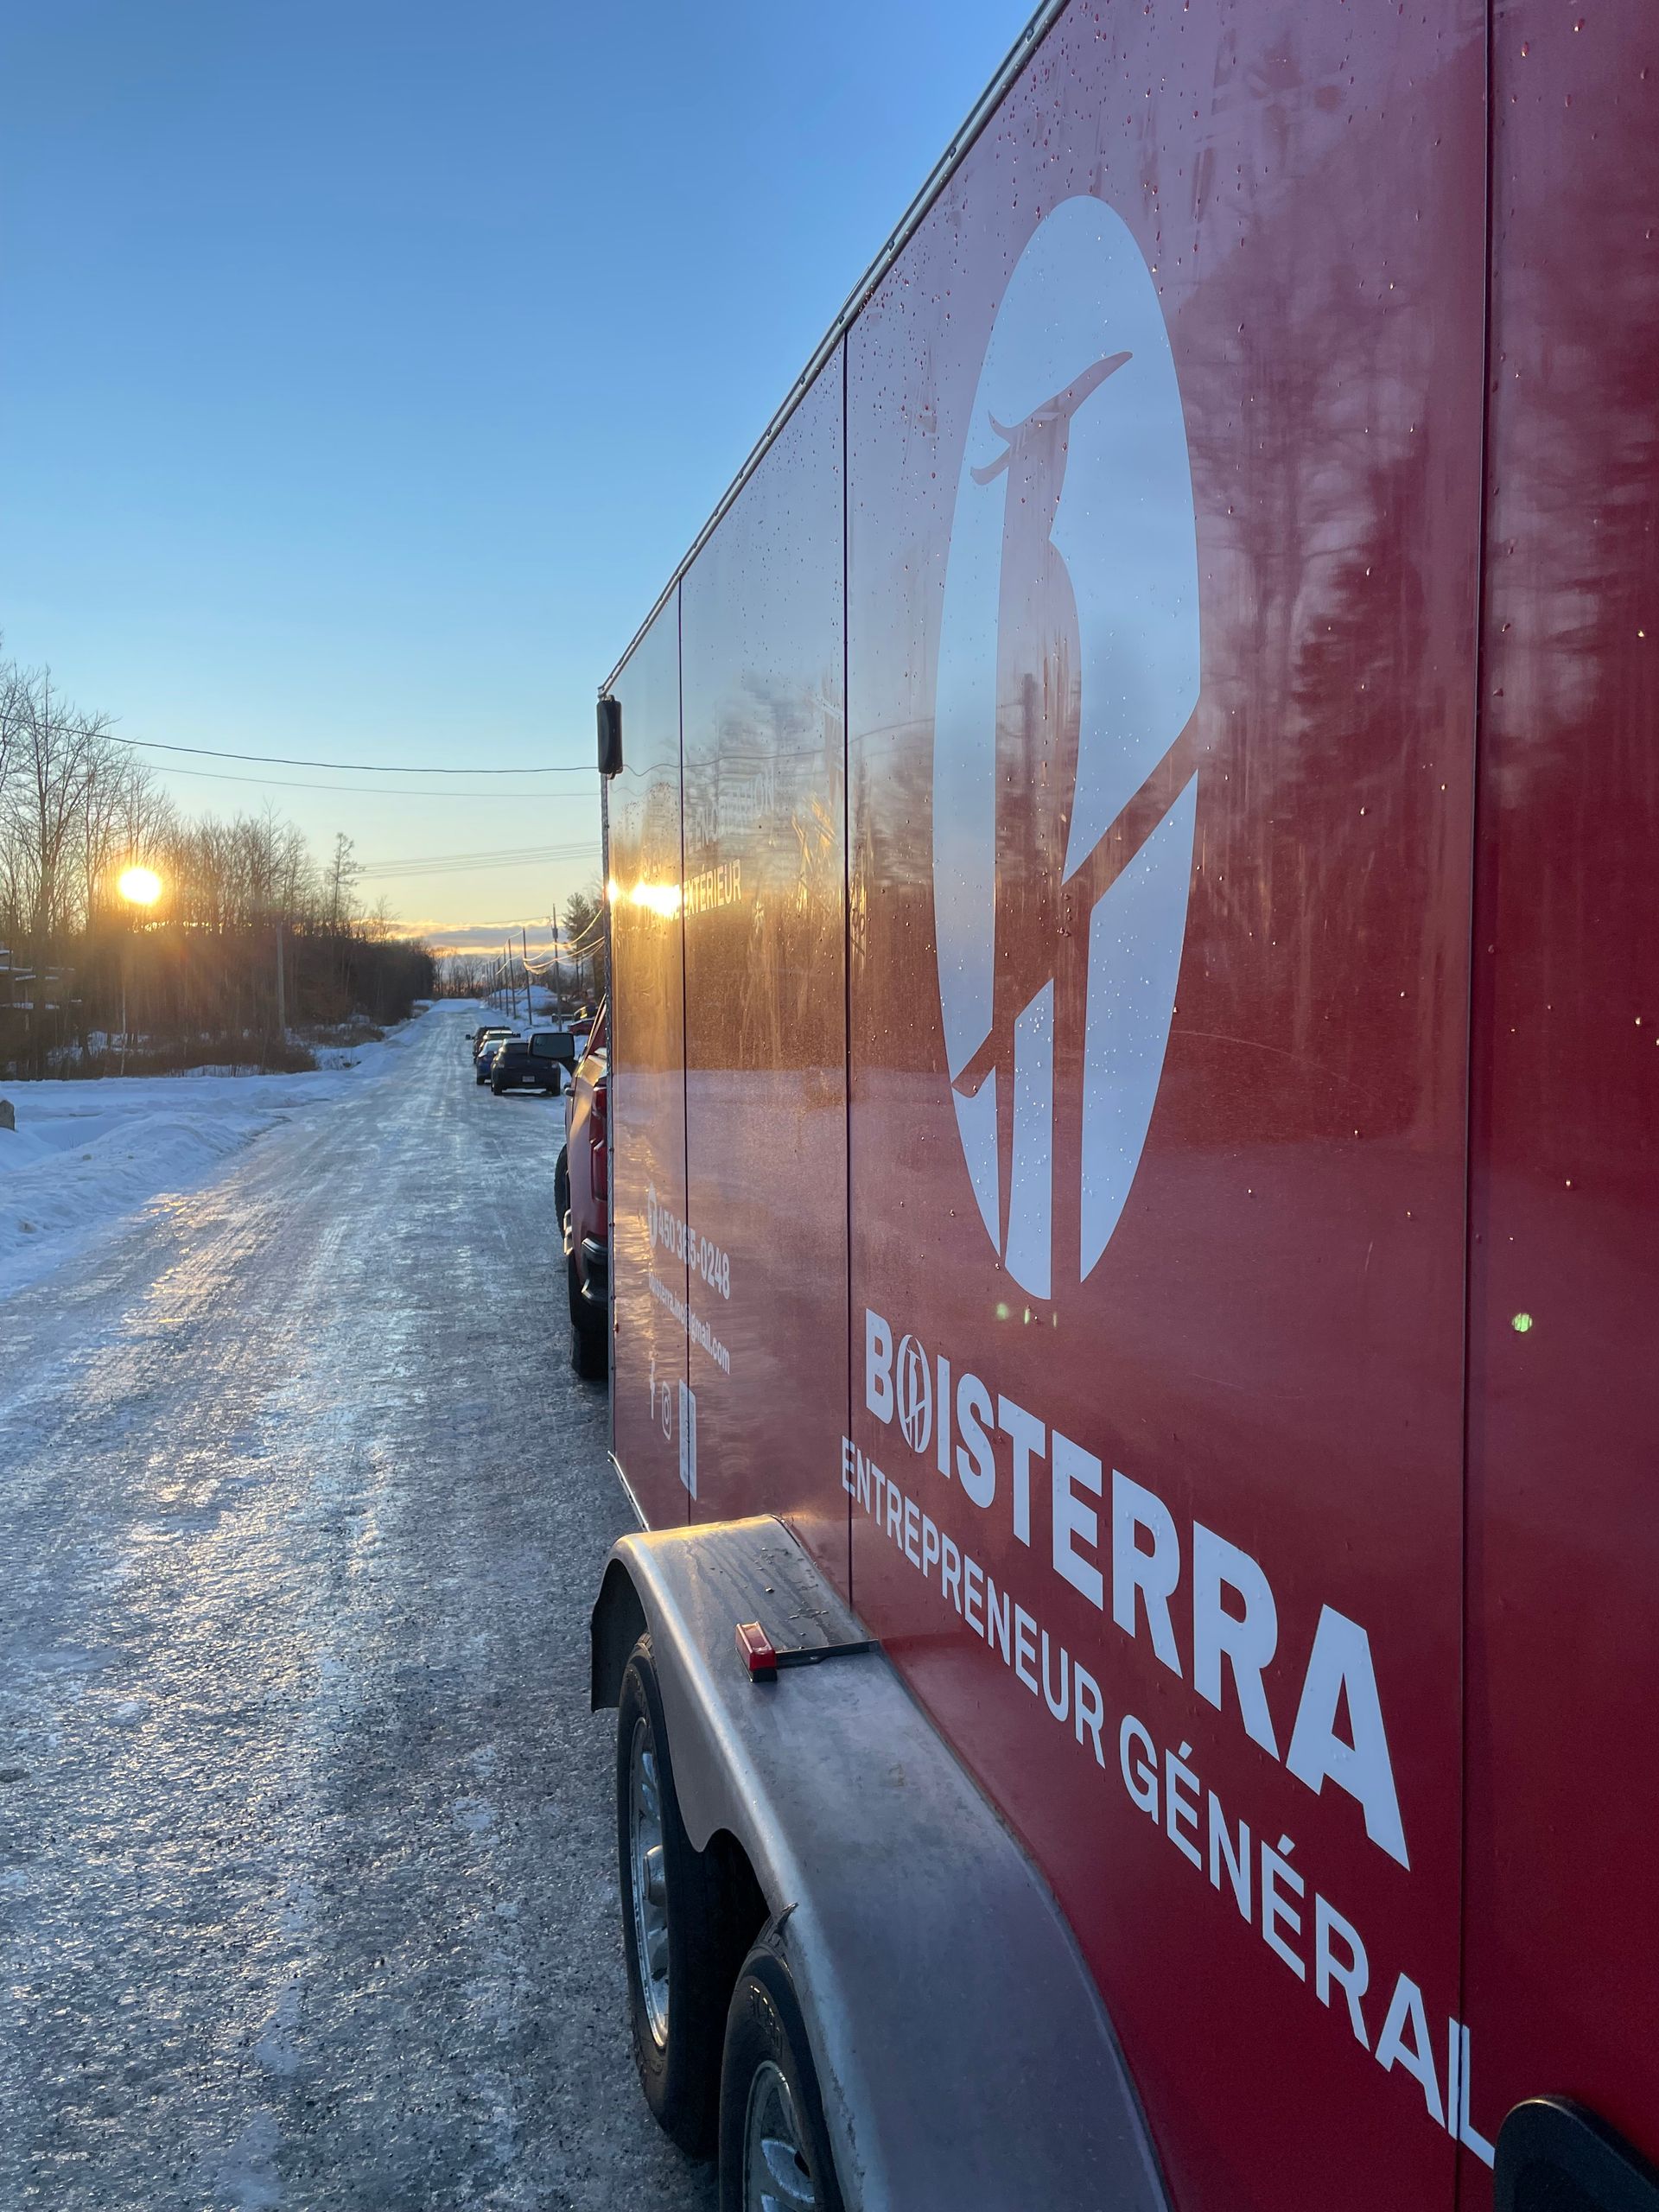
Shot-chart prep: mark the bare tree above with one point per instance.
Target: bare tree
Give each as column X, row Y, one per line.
column 582, row 940
column 249, row 934
column 339, row 889
column 59, row 753
column 465, row 975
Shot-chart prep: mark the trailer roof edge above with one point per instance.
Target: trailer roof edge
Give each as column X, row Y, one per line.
column 943, row 170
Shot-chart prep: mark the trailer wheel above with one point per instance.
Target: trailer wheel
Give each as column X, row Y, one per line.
column 774, row 2147
column 673, row 1925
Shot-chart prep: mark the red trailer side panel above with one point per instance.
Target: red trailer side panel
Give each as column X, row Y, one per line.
column 1563, row 1654
column 647, row 1083
column 1164, row 496
column 762, row 652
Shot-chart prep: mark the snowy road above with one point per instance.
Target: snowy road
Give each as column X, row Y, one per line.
column 306, row 1887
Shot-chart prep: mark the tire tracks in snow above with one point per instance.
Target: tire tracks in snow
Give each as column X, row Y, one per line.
column 306, row 1896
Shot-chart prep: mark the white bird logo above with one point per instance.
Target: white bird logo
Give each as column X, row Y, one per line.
column 1065, row 781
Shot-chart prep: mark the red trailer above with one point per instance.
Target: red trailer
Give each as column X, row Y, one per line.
column 1134, row 1157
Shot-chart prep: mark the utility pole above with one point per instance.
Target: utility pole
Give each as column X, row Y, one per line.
column 558, row 987
column 530, row 1011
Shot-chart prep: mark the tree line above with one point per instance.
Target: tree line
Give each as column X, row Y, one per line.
column 252, row 953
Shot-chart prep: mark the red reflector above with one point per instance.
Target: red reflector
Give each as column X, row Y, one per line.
column 755, row 1649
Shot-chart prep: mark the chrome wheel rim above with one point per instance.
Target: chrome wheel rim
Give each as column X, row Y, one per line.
column 647, row 1882
column 776, row 2176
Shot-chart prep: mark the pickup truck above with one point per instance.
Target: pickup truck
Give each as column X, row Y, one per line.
column 581, row 1197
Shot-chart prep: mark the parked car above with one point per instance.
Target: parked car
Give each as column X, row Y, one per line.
column 479, row 1038
column 581, row 1193
column 484, row 1057
column 539, row 1062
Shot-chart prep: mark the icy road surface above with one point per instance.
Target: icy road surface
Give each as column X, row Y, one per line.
column 306, row 1863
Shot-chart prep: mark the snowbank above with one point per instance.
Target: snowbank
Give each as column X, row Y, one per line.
column 83, row 1154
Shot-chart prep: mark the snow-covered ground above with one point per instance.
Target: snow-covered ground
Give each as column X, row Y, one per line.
column 308, row 1882
column 83, row 1154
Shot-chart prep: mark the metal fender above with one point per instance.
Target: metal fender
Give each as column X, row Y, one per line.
column 965, row 2055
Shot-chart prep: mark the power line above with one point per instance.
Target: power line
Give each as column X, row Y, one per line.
column 562, row 948
column 589, row 931
column 572, row 949
column 575, row 950
column 484, row 853
column 531, row 856
column 579, row 945
column 374, row 791
column 481, row 867
column 350, row 767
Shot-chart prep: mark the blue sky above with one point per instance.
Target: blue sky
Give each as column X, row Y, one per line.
column 365, row 368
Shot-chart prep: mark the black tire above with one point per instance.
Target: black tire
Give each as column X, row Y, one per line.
column 561, row 1185
column 679, row 2067
column 763, row 2031
column 590, row 1331
column 590, row 1354
column 480, row 1077
column 496, row 1089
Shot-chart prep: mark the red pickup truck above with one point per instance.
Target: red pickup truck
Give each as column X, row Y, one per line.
column 581, row 1197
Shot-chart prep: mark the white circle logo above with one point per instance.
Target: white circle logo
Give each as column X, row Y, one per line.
column 1051, row 777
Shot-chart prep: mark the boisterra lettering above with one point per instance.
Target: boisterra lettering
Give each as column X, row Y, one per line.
column 1001, row 1450
column 1274, row 1896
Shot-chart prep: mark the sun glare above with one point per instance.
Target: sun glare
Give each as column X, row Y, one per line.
column 140, row 885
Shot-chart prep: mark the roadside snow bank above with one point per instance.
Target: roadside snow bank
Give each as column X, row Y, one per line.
column 83, row 1154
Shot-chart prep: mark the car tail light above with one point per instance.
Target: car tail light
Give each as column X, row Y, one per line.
column 599, row 1130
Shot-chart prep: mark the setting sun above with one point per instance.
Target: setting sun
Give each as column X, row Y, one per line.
column 141, row 884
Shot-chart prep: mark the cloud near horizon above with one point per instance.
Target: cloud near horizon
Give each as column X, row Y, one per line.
column 481, row 937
